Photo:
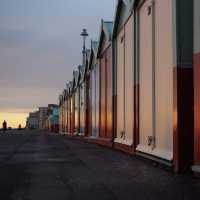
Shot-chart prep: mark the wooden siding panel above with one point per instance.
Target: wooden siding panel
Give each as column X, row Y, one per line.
column 197, row 108
column 183, row 87
column 196, row 82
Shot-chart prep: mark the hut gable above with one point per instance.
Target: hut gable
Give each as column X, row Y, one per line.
column 105, row 37
column 81, row 70
column 196, row 26
column 76, row 78
column 93, row 54
column 86, row 67
column 124, row 9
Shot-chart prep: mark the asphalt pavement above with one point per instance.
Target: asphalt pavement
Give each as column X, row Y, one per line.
column 36, row 165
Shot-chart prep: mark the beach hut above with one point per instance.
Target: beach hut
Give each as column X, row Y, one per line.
column 68, row 110
column 104, row 55
column 76, row 98
column 88, row 89
column 60, row 113
column 94, row 80
column 123, row 62
column 164, row 67
column 77, row 101
column 71, row 109
column 82, row 101
column 64, row 111
column 73, row 131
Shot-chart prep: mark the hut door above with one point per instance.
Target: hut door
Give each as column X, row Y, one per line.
column 128, row 81
column 163, row 79
column 82, row 111
column 120, row 87
column 125, row 84
column 146, row 78
column 97, row 99
column 103, row 84
column 69, row 117
column 73, row 113
column 67, row 114
column 66, row 119
column 76, row 111
column 156, row 78
column 93, row 109
column 70, row 130
column 109, row 105
column 87, row 108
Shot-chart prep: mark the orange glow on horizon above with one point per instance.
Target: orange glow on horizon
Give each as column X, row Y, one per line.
column 13, row 119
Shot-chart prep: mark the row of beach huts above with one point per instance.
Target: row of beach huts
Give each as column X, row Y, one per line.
column 138, row 88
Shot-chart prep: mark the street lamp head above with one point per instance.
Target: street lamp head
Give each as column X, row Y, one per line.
column 84, row 33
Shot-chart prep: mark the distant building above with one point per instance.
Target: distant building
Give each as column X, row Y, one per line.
column 46, row 118
column 52, row 122
column 33, row 120
column 43, row 115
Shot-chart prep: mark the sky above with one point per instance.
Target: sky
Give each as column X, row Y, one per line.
column 40, row 46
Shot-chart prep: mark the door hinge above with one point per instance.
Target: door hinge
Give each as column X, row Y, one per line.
column 123, row 135
column 151, row 141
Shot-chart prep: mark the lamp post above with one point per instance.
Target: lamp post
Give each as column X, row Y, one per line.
column 84, row 34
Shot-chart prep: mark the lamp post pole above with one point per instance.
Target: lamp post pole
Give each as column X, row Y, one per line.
column 84, row 34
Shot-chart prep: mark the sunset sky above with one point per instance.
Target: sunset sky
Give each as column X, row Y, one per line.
column 40, row 45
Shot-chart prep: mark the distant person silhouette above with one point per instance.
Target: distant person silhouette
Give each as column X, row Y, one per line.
column 4, row 126
column 20, row 127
